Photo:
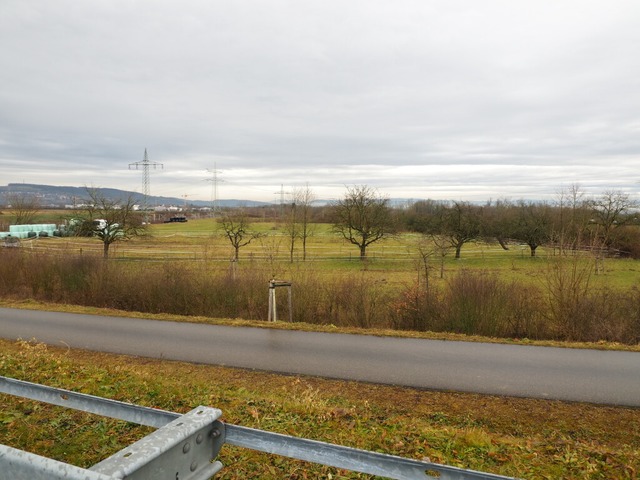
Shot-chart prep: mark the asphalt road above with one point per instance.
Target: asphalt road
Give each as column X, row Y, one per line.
column 604, row 377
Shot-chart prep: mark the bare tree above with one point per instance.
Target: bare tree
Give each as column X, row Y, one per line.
column 427, row 250
column 363, row 217
column 609, row 211
column 498, row 221
column 271, row 251
column 455, row 223
column 571, row 217
column 23, row 207
column 111, row 220
column 531, row 224
column 304, row 198
column 442, row 248
column 237, row 229
column 458, row 223
column 298, row 219
column 292, row 226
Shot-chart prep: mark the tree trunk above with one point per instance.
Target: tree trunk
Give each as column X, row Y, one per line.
column 533, row 249
column 502, row 243
column 363, row 252
column 291, row 249
column 105, row 250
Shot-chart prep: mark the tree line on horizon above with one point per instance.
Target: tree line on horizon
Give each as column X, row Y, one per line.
column 606, row 224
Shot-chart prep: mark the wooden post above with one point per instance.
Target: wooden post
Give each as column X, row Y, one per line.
column 272, row 302
column 273, row 314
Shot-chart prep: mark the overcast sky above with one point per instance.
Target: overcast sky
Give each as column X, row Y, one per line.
column 450, row 99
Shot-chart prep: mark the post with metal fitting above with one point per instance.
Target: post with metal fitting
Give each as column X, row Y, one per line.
column 272, row 302
column 273, row 314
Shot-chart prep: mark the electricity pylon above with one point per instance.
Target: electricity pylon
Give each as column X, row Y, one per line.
column 282, row 193
column 214, row 189
column 145, row 164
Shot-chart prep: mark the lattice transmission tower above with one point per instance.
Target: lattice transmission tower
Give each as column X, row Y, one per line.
column 282, row 193
column 145, row 164
column 214, row 189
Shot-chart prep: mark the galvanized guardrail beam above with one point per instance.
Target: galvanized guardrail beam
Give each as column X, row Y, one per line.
column 164, row 453
column 105, row 407
column 20, row 465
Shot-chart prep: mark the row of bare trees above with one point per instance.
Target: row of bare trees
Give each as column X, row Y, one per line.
column 296, row 220
column 572, row 222
column 364, row 216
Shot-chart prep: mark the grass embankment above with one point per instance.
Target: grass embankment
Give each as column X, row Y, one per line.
column 515, row 437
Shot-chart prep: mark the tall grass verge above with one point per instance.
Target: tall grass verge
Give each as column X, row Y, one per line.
column 478, row 302
column 565, row 306
column 473, row 302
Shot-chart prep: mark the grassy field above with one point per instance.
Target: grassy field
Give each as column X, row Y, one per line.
column 396, row 258
column 516, row 437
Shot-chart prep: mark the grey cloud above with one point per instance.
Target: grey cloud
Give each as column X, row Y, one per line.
column 284, row 87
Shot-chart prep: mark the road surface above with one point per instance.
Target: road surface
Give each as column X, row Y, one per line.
column 604, row 377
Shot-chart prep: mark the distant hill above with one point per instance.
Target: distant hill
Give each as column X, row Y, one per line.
column 59, row 197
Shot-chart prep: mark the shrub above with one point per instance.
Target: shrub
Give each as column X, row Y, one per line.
column 417, row 308
column 626, row 240
column 11, row 268
column 479, row 303
column 567, row 282
column 475, row 303
column 607, row 315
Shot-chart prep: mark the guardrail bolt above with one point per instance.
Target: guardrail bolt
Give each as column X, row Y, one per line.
column 186, row 448
column 194, row 466
column 215, row 433
column 199, row 439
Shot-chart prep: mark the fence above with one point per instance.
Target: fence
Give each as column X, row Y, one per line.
column 184, row 447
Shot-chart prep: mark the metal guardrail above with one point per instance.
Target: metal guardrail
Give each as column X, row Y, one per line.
column 184, row 447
